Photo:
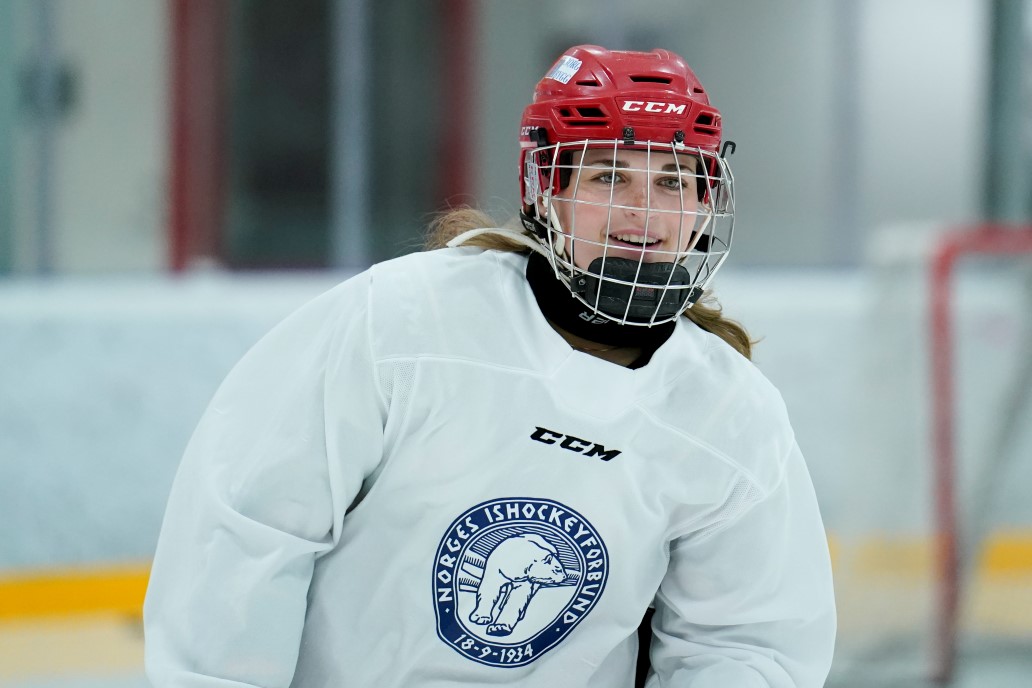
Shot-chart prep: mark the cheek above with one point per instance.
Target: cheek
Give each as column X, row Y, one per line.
column 587, row 221
column 580, row 219
column 688, row 201
column 683, row 233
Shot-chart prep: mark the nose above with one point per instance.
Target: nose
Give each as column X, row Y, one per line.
column 636, row 198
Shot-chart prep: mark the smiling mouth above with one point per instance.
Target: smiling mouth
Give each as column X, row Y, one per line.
column 632, row 241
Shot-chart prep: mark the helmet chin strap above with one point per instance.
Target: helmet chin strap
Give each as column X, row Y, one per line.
column 559, row 242
column 698, row 235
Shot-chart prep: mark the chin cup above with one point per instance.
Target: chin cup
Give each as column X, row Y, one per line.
column 640, row 292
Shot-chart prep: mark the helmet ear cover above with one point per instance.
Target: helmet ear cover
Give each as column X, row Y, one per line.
column 565, row 163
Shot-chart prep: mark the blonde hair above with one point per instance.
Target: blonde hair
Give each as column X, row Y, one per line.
column 706, row 313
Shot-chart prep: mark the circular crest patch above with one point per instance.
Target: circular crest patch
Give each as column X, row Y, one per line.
column 512, row 578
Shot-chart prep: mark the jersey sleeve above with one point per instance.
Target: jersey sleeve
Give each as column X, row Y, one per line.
column 749, row 601
column 278, row 456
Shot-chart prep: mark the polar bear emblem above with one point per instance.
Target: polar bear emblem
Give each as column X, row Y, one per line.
column 516, row 568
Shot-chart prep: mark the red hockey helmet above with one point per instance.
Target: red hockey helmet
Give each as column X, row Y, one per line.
column 650, row 109
column 595, row 93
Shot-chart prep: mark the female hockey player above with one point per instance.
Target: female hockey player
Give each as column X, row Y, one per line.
column 483, row 464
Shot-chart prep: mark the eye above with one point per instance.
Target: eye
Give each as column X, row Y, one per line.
column 607, row 178
column 675, row 183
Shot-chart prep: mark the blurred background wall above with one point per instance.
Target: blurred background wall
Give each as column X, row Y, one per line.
column 848, row 116
column 87, row 100
column 177, row 175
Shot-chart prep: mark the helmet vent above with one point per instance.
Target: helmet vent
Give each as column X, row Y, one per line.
column 650, row 79
column 583, row 116
column 589, row 82
column 705, row 123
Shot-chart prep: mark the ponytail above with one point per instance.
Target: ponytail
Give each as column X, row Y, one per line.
column 707, row 314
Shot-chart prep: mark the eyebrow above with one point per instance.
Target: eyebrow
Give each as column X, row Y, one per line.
column 604, row 162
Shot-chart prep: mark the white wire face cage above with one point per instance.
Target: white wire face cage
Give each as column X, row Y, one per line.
column 636, row 230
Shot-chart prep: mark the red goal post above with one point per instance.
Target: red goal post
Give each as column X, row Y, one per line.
column 982, row 240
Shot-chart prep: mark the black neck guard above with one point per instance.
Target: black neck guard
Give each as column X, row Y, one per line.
column 559, row 306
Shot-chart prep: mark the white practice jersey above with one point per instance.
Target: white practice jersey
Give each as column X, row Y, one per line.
column 415, row 481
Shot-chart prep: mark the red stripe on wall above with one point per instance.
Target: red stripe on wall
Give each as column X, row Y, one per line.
column 198, row 100
column 458, row 80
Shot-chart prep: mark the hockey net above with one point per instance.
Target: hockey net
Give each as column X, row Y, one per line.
column 937, row 573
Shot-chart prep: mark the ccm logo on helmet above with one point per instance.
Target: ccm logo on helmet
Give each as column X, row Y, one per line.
column 653, row 106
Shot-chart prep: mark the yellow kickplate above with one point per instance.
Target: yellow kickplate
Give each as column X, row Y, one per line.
column 1008, row 552
column 118, row 590
column 1002, row 554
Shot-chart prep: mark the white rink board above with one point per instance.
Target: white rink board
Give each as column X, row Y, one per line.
column 103, row 380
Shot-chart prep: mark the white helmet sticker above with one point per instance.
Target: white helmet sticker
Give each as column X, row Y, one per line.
column 531, row 181
column 564, row 69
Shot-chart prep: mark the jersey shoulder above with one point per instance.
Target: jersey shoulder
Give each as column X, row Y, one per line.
column 723, row 401
column 452, row 302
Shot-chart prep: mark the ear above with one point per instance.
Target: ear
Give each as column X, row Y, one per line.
column 557, row 231
column 541, row 207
